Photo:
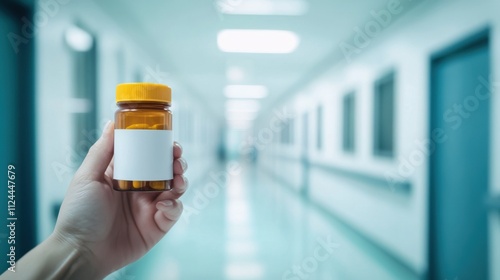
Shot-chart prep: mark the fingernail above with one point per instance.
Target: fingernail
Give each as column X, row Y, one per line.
column 178, row 145
column 166, row 203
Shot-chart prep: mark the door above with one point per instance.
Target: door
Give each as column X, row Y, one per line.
column 17, row 141
column 459, row 168
column 84, row 92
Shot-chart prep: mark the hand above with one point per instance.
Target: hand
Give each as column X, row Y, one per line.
column 116, row 228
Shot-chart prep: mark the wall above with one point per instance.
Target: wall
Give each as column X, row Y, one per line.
column 396, row 220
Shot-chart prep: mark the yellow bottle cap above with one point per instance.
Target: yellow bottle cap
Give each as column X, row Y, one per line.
column 143, row 92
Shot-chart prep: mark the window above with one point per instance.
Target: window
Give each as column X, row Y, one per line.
column 384, row 116
column 348, row 125
column 319, row 128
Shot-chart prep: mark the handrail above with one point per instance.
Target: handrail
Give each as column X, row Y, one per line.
column 403, row 186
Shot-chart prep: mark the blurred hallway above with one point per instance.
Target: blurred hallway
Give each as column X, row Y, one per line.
column 325, row 139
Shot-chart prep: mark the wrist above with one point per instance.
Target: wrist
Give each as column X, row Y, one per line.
column 76, row 260
column 56, row 258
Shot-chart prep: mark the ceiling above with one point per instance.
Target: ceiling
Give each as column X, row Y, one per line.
column 184, row 33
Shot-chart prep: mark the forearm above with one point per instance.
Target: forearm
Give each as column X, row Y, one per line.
column 55, row 259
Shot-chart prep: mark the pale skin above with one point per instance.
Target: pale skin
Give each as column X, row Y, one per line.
column 100, row 230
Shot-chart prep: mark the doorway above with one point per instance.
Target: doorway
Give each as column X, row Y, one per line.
column 459, row 166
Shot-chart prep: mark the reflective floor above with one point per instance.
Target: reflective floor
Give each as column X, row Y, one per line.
column 255, row 228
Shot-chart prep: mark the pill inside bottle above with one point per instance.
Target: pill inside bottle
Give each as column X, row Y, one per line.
column 143, row 151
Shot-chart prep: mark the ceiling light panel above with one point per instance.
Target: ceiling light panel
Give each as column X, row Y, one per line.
column 241, row 116
column 263, row 7
column 245, row 91
column 78, row 39
column 242, row 106
column 235, row 74
column 257, row 41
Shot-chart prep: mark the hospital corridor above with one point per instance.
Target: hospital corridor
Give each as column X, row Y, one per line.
column 312, row 139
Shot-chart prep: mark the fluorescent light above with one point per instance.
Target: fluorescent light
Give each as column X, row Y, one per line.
column 244, row 270
column 78, row 39
column 257, row 41
column 264, row 7
column 241, row 248
column 235, row 74
column 241, row 116
column 239, row 125
column 245, row 91
column 238, row 232
column 242, row 106
column 238, row 213
column 243, row 110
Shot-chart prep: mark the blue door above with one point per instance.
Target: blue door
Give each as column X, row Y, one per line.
column 18, row 133
column 459, row 169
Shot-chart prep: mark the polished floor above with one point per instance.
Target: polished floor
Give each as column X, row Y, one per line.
column 254, row 228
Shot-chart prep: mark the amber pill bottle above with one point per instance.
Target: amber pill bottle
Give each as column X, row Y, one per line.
column 143, row 151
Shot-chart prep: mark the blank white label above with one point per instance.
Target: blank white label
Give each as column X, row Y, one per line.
column 143, row 155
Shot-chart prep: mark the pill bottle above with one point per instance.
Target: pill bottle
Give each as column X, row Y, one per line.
column 143, row 151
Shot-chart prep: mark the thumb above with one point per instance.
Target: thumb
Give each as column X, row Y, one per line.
column 99, row 156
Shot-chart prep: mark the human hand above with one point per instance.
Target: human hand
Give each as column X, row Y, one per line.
column 116, row 228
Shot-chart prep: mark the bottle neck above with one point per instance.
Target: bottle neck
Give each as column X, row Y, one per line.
column 143, row 105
